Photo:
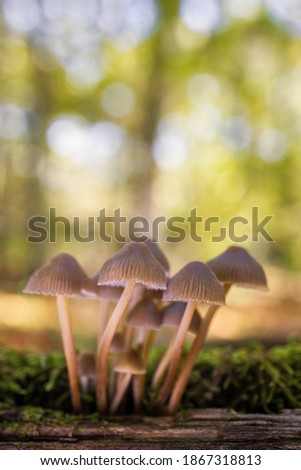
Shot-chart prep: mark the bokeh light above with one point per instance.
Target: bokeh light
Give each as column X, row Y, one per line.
column 154, row 107
column 118, row 99
column 127, row 22
column 13, row 124
column 236, row 133
column 271, row 145
column 202, row 17
column 86, row 145
column 170, row 147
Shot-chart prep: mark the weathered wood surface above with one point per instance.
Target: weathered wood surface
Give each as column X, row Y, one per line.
column 198, row 429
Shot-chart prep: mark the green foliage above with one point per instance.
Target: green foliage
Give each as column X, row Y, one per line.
column 248, row 69
column 32, row 379
column 250, row 378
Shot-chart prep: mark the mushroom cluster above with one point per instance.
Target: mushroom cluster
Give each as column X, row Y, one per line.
column 133, row 287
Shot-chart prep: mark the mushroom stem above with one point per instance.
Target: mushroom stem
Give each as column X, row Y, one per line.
column 138, row 385
column 130, row 332
column 129, row 336
column 120, row 392
column 136, row 296
column 104, row 346
column 148, row 344
column 139, row 380
column 163, row 364
column 69, row 350
column 177, row 352
column 111, row 378
column 197, row 344
column 103, row 318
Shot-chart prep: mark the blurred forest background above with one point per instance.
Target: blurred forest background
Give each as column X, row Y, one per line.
column 154, row 107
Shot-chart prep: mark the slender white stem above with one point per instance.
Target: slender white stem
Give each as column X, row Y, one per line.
column 138, row 383
column 69, row 350
column 112, row 375
column 139, row 380
column 104, row 346
column 177, row 352
column 120, row 392
column 163, row 364
column 197, row 344
column 130, row 332
column 148, row 345
column 140, row 337
column 137, row 295
column 129, row 336
column 104, row 315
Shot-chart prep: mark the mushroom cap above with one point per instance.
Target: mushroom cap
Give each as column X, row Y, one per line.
column 61, row 275
column 111, row 293
column 172, row 315
column 195, row 281
column 158, row 254
column 144, row 315
column 86, row 363
column 118, row 343
column 130, row 362
column 134, row 262
column 237, row 266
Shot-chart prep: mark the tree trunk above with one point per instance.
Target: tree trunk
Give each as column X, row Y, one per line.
column 196, row 429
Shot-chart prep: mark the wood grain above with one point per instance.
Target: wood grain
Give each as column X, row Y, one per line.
column 198, row 429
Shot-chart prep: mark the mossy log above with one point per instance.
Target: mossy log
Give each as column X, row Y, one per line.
column 198, row 429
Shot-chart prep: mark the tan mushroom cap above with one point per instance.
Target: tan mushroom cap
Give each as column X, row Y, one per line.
column 61, row 275
column 173, row 313
column 158, row 254
column 144, row 315
column 130, row 362
column 195, row 282
column 118, row 343
column 237, row 266
column 134, row 262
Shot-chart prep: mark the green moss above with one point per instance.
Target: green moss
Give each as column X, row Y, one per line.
column 33, row 414
column 250, row 378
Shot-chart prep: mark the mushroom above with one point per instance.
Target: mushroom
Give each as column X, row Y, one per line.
column 145, row 315
column 63, row 277
column 237, row 266
column 194, row 283
column 133, row 264
column 130, row 363
column 234, row 266
column 145, row 292
column 172, row 315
